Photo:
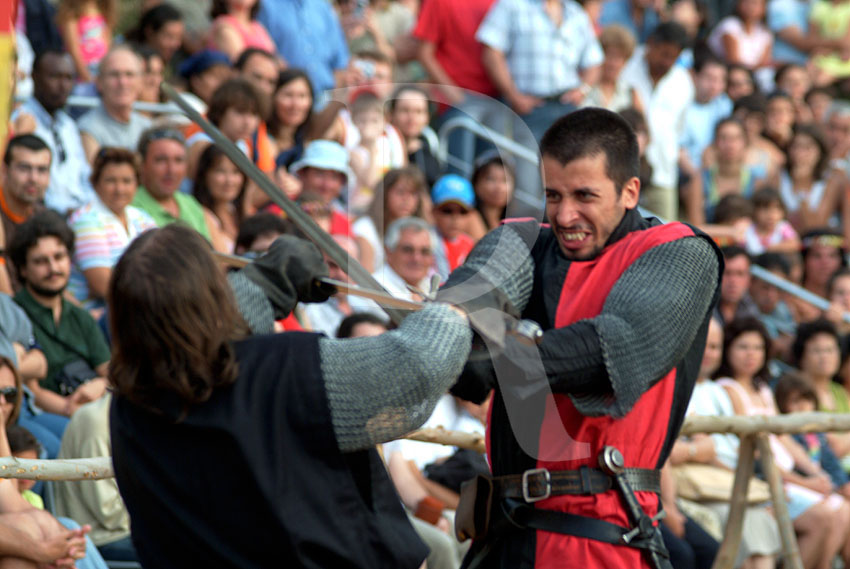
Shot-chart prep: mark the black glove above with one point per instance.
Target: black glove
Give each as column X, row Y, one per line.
column 287, row 274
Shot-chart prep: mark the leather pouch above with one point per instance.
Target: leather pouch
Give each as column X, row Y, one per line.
column 472, row 519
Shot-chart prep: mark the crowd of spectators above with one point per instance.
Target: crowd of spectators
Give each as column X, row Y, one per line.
column 742, row 111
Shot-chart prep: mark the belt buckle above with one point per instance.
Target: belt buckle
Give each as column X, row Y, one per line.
column 547, row 479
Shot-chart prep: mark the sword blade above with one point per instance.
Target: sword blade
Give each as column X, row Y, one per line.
column 379, row 297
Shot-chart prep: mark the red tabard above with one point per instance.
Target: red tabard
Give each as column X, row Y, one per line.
column 639, row 435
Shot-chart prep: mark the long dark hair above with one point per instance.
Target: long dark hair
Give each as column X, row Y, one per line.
column 735, row 329
column 16, row 404
column 172, row 316
column 815, row 134
column 209, row 159
column 220, row 8
column 153, row 20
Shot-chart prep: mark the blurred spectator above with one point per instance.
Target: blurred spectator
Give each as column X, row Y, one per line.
column 308, row 36
column 740, row 82
column 196, row 21
column 770, row 230
column 618, row 45
column 779, row 118
column 258, row 232
column 824, row 253
column 666, row 90
column 324, row 170
column 361, row 324
column 362, row 32
column 380, row 149
column 838, row 135
column 730, row 174
column 40, row 25
column 450, row 53
column 764, row 158
column 794, row 80
column 743, row 38
column 409, row 114
column 235, row 109
column 95, row 502
column 86, row 28
column 773, row 310
column 410, row 244
column 23, row 444
column 260, row 68
column 289, row 122
column 26, row 175
column 829, row 22
column 220, row 188
column 735, row 300
column 540, row 74
column 114, row 123
column 709, row 107
column 152, row 76
column 162, row 29
column 401, row 193
column 53, row 77
column 640, row 17
column 817, row 353
column 76, row 351
column 493, row 180
column 839, row 298
column 819, row 99
column 204, row 72
column 454, row 200
column 789, row 22
column 163, row 153
column 235, row 28
column 809, row 190
column 104, row 227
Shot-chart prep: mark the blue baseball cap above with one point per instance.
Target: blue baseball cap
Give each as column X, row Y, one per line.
column 453, row 188
column 201, row 61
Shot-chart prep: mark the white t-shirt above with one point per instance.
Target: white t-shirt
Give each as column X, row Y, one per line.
column 751, row 46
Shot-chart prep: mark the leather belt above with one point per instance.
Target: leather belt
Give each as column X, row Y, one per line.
column 539, row 483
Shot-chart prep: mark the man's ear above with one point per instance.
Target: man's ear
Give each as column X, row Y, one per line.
column 630, row 193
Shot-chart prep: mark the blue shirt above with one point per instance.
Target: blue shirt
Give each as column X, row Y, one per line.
column 700, row 120
column 308, row 36
column 620, row 12
column 783, row 14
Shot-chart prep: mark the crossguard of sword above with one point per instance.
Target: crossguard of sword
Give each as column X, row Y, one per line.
column 525, row 331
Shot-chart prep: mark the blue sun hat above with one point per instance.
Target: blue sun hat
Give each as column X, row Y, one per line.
column 323, row 155
column 455, row 189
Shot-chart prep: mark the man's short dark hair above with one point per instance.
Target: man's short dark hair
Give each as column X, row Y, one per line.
column 346, row 327
column 705, row 60
column 250, row 52
column 732, row 251
column 774, row 262
column 590, row 132
column 261, row 224
column 36, row 63
column 161, row 132
column 45, row 223
column 670, row 33
column 29, row 141
column 21, row 440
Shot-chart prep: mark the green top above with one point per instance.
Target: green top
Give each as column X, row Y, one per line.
column 191, row 212
column 76, row 337
column 839, row 395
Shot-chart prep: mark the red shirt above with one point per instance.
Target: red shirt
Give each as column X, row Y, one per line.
column 457, row 250
column 451, row 25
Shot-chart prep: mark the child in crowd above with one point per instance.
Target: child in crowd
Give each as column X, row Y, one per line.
column 453, row 199
column 24, row 445
column 769, row 230
column 380, row 149
column 743, row 38
column 86, row 29
column 796, row 394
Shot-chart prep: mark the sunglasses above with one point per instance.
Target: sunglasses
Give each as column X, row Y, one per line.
column 10, row 393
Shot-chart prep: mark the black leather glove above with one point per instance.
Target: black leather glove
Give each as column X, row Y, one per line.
column 287, row 274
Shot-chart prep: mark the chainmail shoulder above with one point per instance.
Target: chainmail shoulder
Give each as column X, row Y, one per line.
column 501, row 259
column 650, row 319
column 382, row 387
column 255, row 308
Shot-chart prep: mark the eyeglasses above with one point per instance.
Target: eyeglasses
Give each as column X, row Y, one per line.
column 411, row 250
column 10, row 393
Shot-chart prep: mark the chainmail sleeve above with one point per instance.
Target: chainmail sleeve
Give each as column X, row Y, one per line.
column 382, row 387
column 649, row 321
column 252, row 303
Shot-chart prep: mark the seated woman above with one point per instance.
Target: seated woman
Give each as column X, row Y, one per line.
column 821, row 518
column 493, row 181
column 220, row 188
column 104, row 227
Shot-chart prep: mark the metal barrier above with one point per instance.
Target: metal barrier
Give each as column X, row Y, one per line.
column 502, row 142
column 83, row 102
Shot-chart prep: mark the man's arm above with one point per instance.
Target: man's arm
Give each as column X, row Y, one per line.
column 497, row 68
column 649, row 320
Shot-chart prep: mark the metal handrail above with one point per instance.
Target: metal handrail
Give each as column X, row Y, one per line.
column 87, row 102
column 502, row 142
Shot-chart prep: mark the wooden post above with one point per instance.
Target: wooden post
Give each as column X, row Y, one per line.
column 790, row 552
column 737, row 506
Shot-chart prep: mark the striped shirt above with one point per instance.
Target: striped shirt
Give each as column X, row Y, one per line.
column 100, row 239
